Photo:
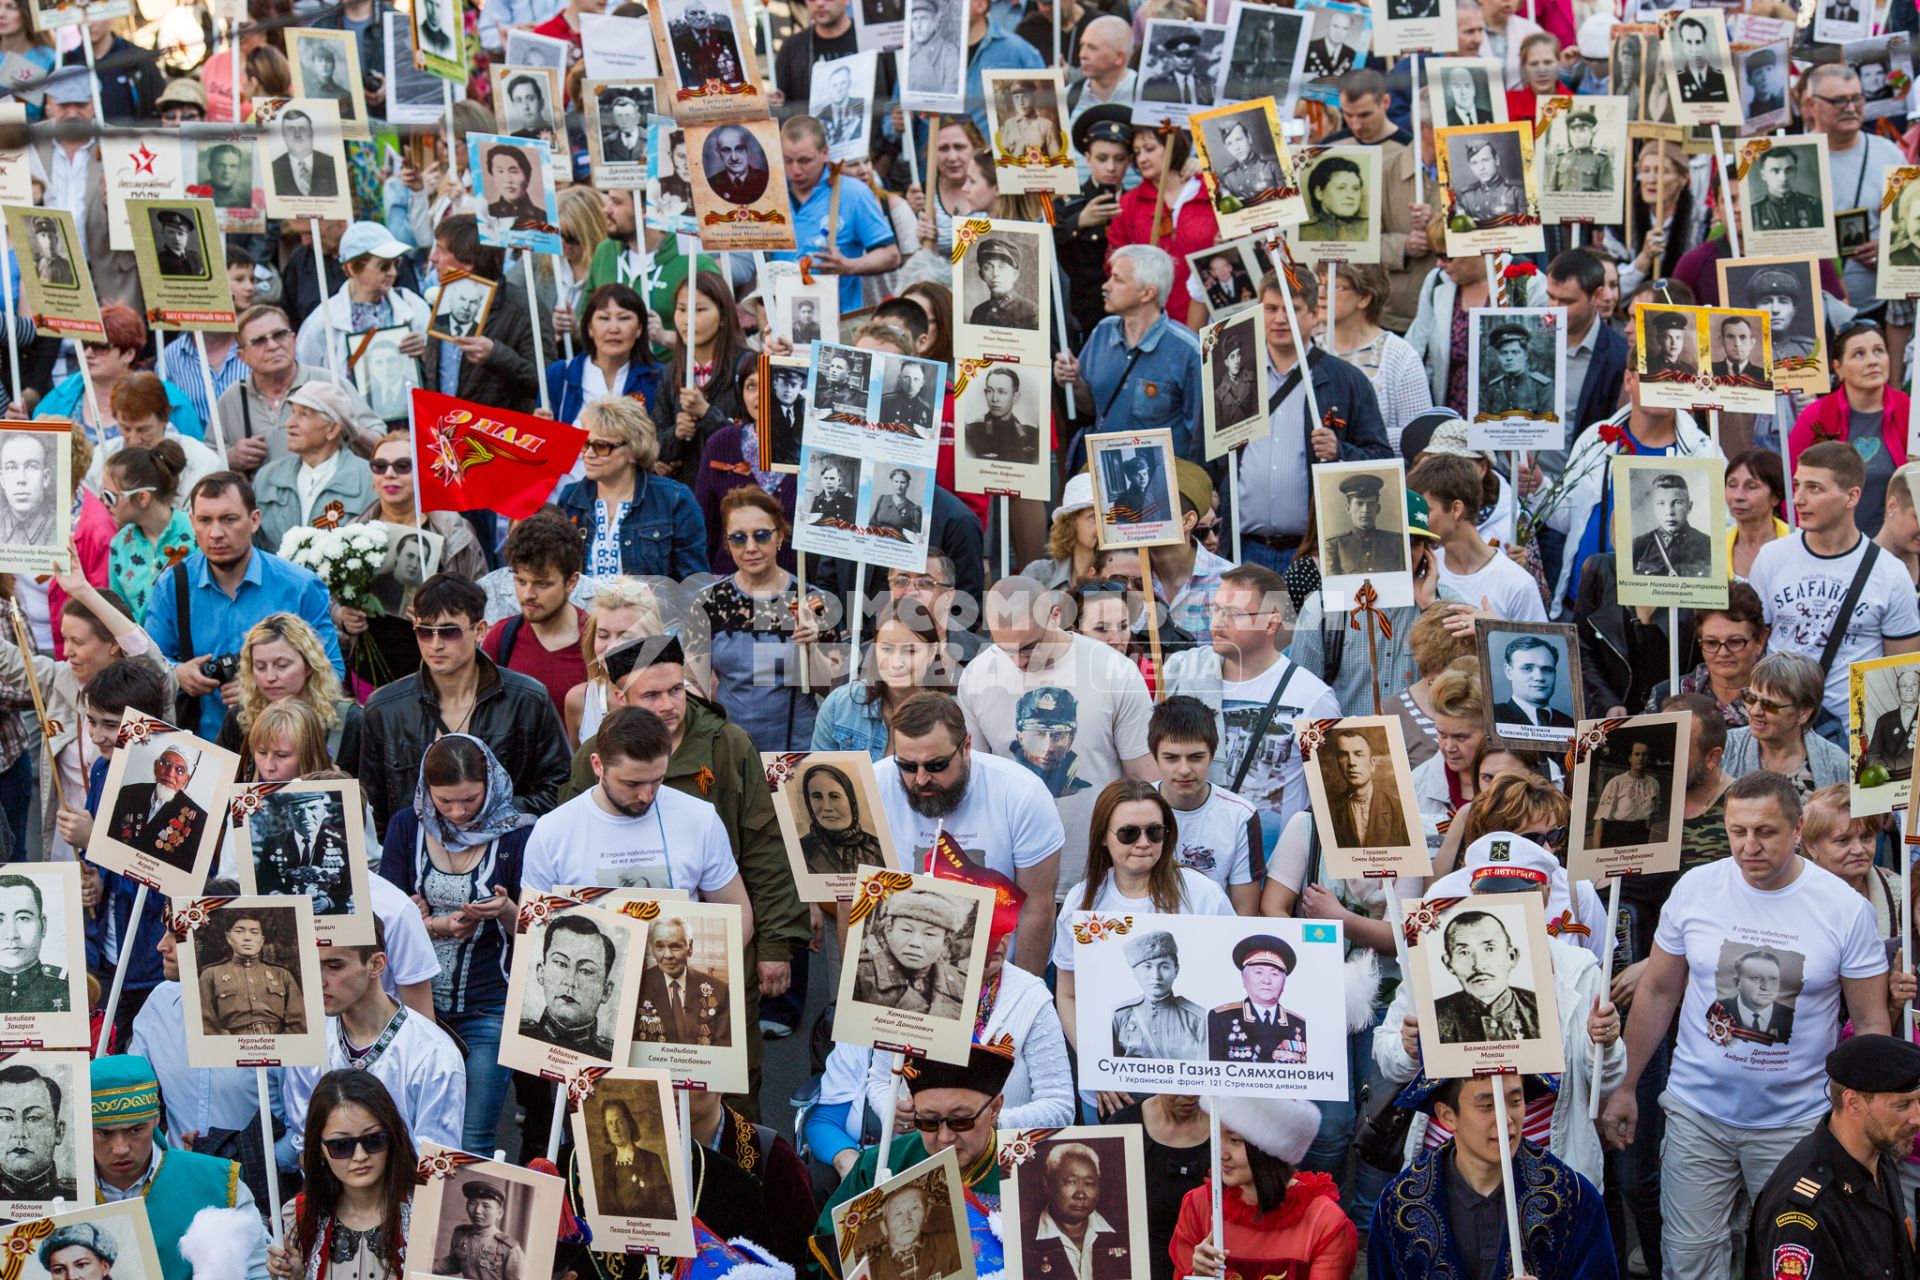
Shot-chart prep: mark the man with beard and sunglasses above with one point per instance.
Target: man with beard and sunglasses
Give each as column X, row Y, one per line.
column 997, row 810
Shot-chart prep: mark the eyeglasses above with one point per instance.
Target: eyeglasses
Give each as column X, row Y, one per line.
column 1767, row 705
column 1736, row 645
column 912, row 768
column 761, row 537
column 1131, row 833
column 601, row 448
column 266, row 340
column 343, row 1148
column 392, row 466
column 447, row 632
column 1554, row 839
column 911, row 582
column 112, row 498
column 1849, row 100
column 954, row 1124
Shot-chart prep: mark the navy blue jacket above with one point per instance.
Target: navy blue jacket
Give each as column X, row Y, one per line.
column 644, row 382
column 1600, row 392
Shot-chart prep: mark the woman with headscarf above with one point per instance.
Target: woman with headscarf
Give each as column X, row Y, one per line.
column 835, row 841
column 457, row 852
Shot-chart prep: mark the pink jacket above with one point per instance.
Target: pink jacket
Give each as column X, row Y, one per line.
column 93, row 530
column 1826, row 419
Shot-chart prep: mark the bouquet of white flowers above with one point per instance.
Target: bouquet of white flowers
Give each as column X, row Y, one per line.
column 345, row 558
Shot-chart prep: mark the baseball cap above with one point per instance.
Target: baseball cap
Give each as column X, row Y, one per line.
column 324, row 397
column 363, row 238
column 1417, row 517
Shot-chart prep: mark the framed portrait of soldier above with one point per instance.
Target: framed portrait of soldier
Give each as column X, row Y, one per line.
column 1629, row 795
column 740, row 186
column 669, row 190
column 1002, row 302
column 36, row 475
column 1885, row 64
column 1026, row 133
column 1084, row 1181
column 1579, row 143
column 831, row 819
column 385, row 376
column 691, row 1019
column 805, row 313
column 915, row 1222
column 1360, row 514
column 513, row 192
column 1489, row 189
column 326, row 66
column 164, row 793
column 1224, row 276
column 784, row 421
column 182, row 262
column 1700, row 70
column 1483, row 983
column 1843, row 22
column 706, row 53
column 1761, row 73
column 917, row 947
column 1529, row 682
column 1134, row 499
column 112, row 1241
column 58, row 291
column 1784, row 205
column 478, row 1217
column 1463, row 92
column 934, row 76
column 1233, row 373
column 879, row 25
column 1255, row 184
column 1738, row 360
column 1002, row 444
column 1883, row 696
column 1788, row 289
column 1266, row 49
column 1409, row 26
column 1180, row 67
column 413, row 555
column 250, row 981
column 1670, row 348
column 45, row 1109
column 460, row 307
column 1361, row 788
column 439, row 45
column 1517, row 378
column 632, row 1162
column 1671, row 531
column 43, row 992
column 572, row 989
column 1338, row 37
column 225, row 171
column 841, row 99
column 617, row 116
column 306, row 159
column 305, row 839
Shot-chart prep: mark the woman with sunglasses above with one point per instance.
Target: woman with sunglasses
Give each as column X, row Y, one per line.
column 731, row 459
column 907, row 655
column 141, row 491
column 1732, row 640
column 283, row 658
column 1756, row 492
column 617, row 360
column 351, row 1219
column 1866, row 411
column 709, row 399
column 634, row 521
column 1276, row 1219
column 583, row 225
column 1783, row 697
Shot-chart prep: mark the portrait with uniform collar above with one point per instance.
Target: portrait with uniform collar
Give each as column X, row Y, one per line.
column 1516, row 378
column 1883, row 730
column 250, row 981
column 44, row 1110
column 482, row 1219
column 1786, row 198
column 1077, row 1200
column 1581, row 142
column 1670, row 525
column 1026, row 131
column 36, row 462
column 1360, row 510
column 1233, row 381
column 572, row 987
column 1256, row 182
column 1133, row 491
column 999, row 287
column 618, row 114
column 1482, row 971
column 1700, row 69
column 917, row 947
column 296, row 838
column 165, row 790
column 632, row 1162
column 1180, row 66
column 100, row 1242
column 1490, row 189
column 43, row 992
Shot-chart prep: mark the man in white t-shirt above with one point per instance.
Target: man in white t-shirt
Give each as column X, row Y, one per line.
column 1738, row 1099
column 1219, row 832
column 1804, row 578
column 995, row 810
column 1482, row 573
column 633, row 830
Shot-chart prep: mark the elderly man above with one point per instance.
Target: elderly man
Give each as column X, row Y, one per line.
column 1477, row 951
column 1143, row 342
column 33, row 1127
column 243, row 995
column 905, row 1248
column 741, row 177
column 1737, row 347
column 253, row 412
column 1066, row 1236
column 576, row 978
column 320, row 482
column 480, row 1250
column 1159, row 1024
column 310, row 857
column 27, row 983
column 844, row 116
column 1673, row 548
column 908, row 965
column 158, row 818
column 680, row 1004
column 1258, row 1028
column 1891, row 744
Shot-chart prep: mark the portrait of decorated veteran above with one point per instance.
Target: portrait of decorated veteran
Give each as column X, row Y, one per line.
column 158, row 817
column 33, row 1130
column 680, row 1004
column 906, row 960
column 576, row 979
column 1480, row 954
column 1889, row 744
column 1258, row 1028
column 1159, row 1024
column 915, row 1238
column 1579, row 166
column 1070, row 1236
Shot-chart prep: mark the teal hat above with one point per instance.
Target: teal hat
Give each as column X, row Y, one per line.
column 125, row 1090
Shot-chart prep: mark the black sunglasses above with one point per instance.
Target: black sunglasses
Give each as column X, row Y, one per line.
column 393, row 466
column 448, row 632
column 913, row 767
column 1130, row 834
column 342, row 1148
column 954, row 1124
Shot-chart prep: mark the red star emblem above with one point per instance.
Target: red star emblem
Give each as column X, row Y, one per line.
column 143, row 160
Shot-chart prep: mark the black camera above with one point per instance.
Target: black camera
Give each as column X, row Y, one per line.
column 221, row 668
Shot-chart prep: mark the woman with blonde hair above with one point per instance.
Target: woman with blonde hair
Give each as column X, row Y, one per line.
column 634, row 521
column 1446, row 782
column 621, row 610
column 283, row 659
column 1073, row 540
column 1433, row 646
column 286, row 742
column 583, row 225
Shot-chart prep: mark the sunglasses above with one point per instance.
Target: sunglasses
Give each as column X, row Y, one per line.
column 910, row 768
column 1767, row 705
column 343, row 1148
column 392, row 466
column 266, row 340
column 601, row 448
column 1156, row 832
column 761, row 537
column 448, row 632
column 1554, row 839
column 954, row 1124
column 112, row 497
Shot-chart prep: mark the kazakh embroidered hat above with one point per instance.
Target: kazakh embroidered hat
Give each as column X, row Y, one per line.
column 125, row 1091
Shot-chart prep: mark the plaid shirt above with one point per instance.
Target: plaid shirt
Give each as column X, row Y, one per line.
column 1191, row 609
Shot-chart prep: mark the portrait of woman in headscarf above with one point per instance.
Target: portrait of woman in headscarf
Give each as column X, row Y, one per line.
column 835, row 841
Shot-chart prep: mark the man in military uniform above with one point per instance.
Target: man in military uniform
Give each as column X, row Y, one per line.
column 1180, row 81
column 1514, row 388
column 1489, row 195
column 245, row 996
column 1248, row 176
column 1699, row 79
column 1045, row 724
column 907, row 399
column 1667, row 344
column 680, row 1004
column 27, row 985
column 1579, row 167
column 906, row 966
column 998, row 265
column 178, row 253
column 1488, row 1008
column 1672, row 548
column 1026, row 129
column 1103, row 136
column 480, row 1249
column 1776, row 206
column 310, row 857
column 1365, row 548
column 1233, row 389
column 906, row 1250
column 1782, row 295
column 32, row 1129
column 1833, row 1206
column 1159, row 1024
column 1139, row 501
column 1737, row 343
column 1258, row 1028
column 1000, row 436
column 575, row 973
column 1067, row 1234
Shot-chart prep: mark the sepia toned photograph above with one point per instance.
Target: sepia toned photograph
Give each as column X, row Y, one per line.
column 739, row 186
column 831, row 818
column 250, row 981
column 1134, row 498
column 477, row 1217
column 1529, row 682
column 1078, row 1192
column 1883, row 720
column 110, row 1241
column 918, row 946
column 1580, row 141
column 913, row 1224
column 326, row 66
column 1361, row 789
column 1483, row 985
column 461, row 307
column 573, row 989
column 1360, row 513
column 164, row 791
column 513, row 186
column 632, row 1162
column 1234, row 381
column 305, row 839
column 1629, row 796
column 1488, row 184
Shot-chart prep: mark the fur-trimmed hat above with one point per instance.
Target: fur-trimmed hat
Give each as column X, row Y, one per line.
column 1282, row 1127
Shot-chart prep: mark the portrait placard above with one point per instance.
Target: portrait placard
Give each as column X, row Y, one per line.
column 1209, row 1004
column 306, row 159
column 529, row 104
column 528, row 48
column 1737, row 360
column 1410, row 26
column 413, row 555
column 919, row 948
column 1134, row 497
column 831, row 818
column 1266, row 49
column 1360, row 513
column 1181, row 65
column 572, row 989
column 1224, row 276
column 36, row 475
column 1338, row 37
column 706, row 53
column 691, row 1021
column 616, row 48
column 163, row 795
column 669, row 191
column 250, row 981
column 306, row 839
column 1463, row 92
column 782, row 426
column 1579, row 145
column 1899, row 266
column 513, row 185
column 45, row 1105
column 1788, row 290
column 617, row 115
column 438, row 46
column 806, row 313
column 935, row 75
column 1517, row 378
column 226, row 170
column 1700, row 70
column 1255, row 186
column 1673, row 525
column 1026, row 133
column 841, row 99
column 182, row 261
column 139, row 167
column 1529, row 682
column 1670, row 343
column 1629, row 795
column 460, row 307
column 48, row 14
column 919, row 1212
column 740, row 186
column 1002, row 305
column 1843, row 22
column 16, row 169
column 633, row 1163
column 413, row 95
column 1091, row 1175
column 1882, row 697
column 1483, row 985
column 1637, row 67
column 384, row 375
column 879, row 25
column 1784, row 205
column 1885, row 64
column 326, row 65
column 108, row 1240
column 475, row 1216
column 58, row 292
column 1851, row 229
column 1761, row 71
column 1341, row 193
column 1489, row 189
column 1361, row 789
column 1002, row 445
column 1233, row 373
column 46, row 990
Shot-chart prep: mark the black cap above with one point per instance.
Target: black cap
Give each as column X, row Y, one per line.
column 1664, row 320
column 628, row 656
column 482, row 1191
column 1875, row 1064
column 1263, row 948
column 1108, row 122
column 985, row 1071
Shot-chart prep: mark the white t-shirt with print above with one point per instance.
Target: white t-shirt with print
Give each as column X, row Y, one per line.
column 1509, row 590
column 1005, row 821
column 1819, row 931
column 1802, row 592
column 680, row 843
column 1199, row 896
column 1276, row 781
column 1217, row 838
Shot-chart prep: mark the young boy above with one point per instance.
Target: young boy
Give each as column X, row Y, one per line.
column 543, row 640
column 1468, row 563
column 1219, row 832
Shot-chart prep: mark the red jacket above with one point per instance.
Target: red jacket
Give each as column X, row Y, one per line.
column 1826, row 419
column 1306, row 1238
column 1195, row 229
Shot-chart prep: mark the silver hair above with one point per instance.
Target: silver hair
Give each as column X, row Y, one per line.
column 1828, row 71
column 1793, row 676
column 1070, row 1151
column 1152, row 268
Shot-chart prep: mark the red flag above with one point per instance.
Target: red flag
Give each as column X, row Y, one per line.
column 948, row 861
column 470, row 457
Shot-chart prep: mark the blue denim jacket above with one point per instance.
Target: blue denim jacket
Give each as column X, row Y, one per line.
column 664, row 534
column 850, row 720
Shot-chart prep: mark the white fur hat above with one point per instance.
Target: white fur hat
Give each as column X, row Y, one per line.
column 1282, row 1127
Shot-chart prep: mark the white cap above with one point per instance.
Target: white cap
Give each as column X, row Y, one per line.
column 1596, row 36
column 370, row 237
column 1078, row 495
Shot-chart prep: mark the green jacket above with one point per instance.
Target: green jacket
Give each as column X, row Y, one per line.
column 908, row 1149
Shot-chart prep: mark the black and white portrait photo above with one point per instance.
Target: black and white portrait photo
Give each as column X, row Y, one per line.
column 1574, row 162
column 29, row 480
column 1852, row 228
column 804, row 326
column 936, row 69
column 1531, row 679
column 1697, row 49
column 909, row 391
column 1484, row 992
column 530, row 49
column 1223, row 276
column 324, row 62
column 1762, row 77
column 413, row 556
column 626, row 1145
column 1180, row 65
column 1885, row 64
column 1672, row 544
column 1671, row 348
column 1890, row 706
column 1735, row 351
column 788, row 418
column 842, row 101
column 685, row 984
column 300, row 169
column 461, row 307
column 1159, row 1023
column 1788, row 291
column 913, row 954
column 1783, row 190
column 899, row 500
column 1365, row 520
column 618, row 129
column 1336, row 41
column 1627, row 72
column 37, row 1095
column 1357, row 771
column 384, row 376
column 735, row 165
column 830, row 489
column 1518, row 361
column 1073, row 1209
column 705, row 45
column 1755, row 988
column 570, row 1002
column 35, row 929
column 1133, row 488
column 247, row 960
column 1843, row 21
column 1235, row 395
column 1487, row 172
column 435, row 28
column 1006, row 282
column 842, row 378
column 1266, row 48
column 1241, row 149
column 226, row 170
column 1632, row 784
column 52, row 254
column 1468, row 92
column 524, row 100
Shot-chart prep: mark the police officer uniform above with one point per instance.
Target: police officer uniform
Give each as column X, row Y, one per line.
column 1082, row 251
column 1012, row 311
column 1525, row 392
column 1239, row 1032
column 249, row 997
column 1580, row 167
column 38, row 988
column 1822, row 1213
column 483, row 1253
column 939, row 991
column 1363, row 550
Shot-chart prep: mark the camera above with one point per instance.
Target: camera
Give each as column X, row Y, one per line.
column 221, row 668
